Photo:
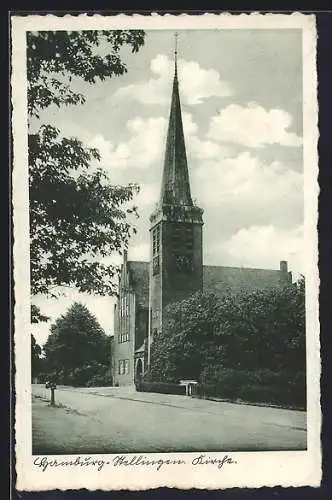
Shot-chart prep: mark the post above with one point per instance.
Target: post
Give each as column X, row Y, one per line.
column 52, row 396
column 52, row 386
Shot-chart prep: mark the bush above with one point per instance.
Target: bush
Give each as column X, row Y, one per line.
column 207, row 390
column 160, row 387
column 101, row 379
column 260, row 386
column 223, row 383
column 89, row 375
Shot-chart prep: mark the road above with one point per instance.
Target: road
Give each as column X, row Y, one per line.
column 113, row 420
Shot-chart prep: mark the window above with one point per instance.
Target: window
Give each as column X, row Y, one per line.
column 123, row 337
column 155, row 241
column 126, row 366
column 155, row 250
column 123, row 366
column 124, row 306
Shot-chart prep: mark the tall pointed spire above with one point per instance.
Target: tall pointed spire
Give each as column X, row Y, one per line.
column 175, row 189
column 176, row 57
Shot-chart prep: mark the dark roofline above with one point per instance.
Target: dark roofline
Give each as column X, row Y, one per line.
column 244, row 268
column 138, row 261
column 217, row 267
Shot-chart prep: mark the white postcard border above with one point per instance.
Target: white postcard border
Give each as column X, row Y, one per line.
column 252, row 469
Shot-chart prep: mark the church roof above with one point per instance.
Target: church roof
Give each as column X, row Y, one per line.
column 220, row 279
column 175, row 189
column 216, row 279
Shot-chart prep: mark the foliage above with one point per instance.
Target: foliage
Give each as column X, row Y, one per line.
column 76, row 215
column 37, row 316
column 160, row 387
column 77, row 350
column 229, row 342
column 102, row 377
column 36, row 352
column 256, row 386
column 55, row 58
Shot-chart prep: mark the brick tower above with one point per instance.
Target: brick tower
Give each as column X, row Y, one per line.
column 176, row 266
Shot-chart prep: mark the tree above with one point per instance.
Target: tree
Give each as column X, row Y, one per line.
column 37, row 361
column 78, row 348
column 37, row 316
column 77, row 216
column 248, row 331
column 188, row 338
column 36, row 352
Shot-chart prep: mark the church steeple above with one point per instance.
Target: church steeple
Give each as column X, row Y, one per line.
column 176, row 265
column 175, row 189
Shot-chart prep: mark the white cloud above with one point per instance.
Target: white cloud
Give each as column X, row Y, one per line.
column 109, row 155
column 196, row 83
column 205, row 149
column 264, row 246
column 189, row 126
column 148, row 195
column 253, row 126
column 199, row 83
column 248, row 183
column 145, row 144
column 143, row 147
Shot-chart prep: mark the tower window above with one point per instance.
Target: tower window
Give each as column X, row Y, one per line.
column 155, row 250
column 156, row 241
column 124, row 306
column 123, row 337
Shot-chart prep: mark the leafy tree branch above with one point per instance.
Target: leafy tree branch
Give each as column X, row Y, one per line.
column 77, row 216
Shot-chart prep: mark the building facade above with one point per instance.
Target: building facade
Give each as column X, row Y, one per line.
column 176, row 267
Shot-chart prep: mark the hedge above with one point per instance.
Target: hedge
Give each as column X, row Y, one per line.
column 160, row 387
column 261, row 386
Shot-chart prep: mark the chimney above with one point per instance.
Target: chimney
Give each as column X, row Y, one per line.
column 283, row 267
column 284, row 274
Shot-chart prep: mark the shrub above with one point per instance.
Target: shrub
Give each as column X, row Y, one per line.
column 89, row 375
column 259, row 386
column 101, row 379
column 207, row 390
column 160, row 387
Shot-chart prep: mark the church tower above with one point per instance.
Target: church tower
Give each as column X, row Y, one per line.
column 176, row 266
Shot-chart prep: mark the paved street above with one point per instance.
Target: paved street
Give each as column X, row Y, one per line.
column 114, row 420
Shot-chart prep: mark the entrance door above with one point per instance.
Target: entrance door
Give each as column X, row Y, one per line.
column 139, row 370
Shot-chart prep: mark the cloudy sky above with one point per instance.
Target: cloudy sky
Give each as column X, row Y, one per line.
column 241, row 93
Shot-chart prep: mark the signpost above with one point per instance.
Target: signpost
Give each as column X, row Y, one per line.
column 52, row 386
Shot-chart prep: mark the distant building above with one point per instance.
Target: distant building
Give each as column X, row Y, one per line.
column 176, row 267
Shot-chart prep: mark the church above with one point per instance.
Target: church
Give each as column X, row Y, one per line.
column 176, row 268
